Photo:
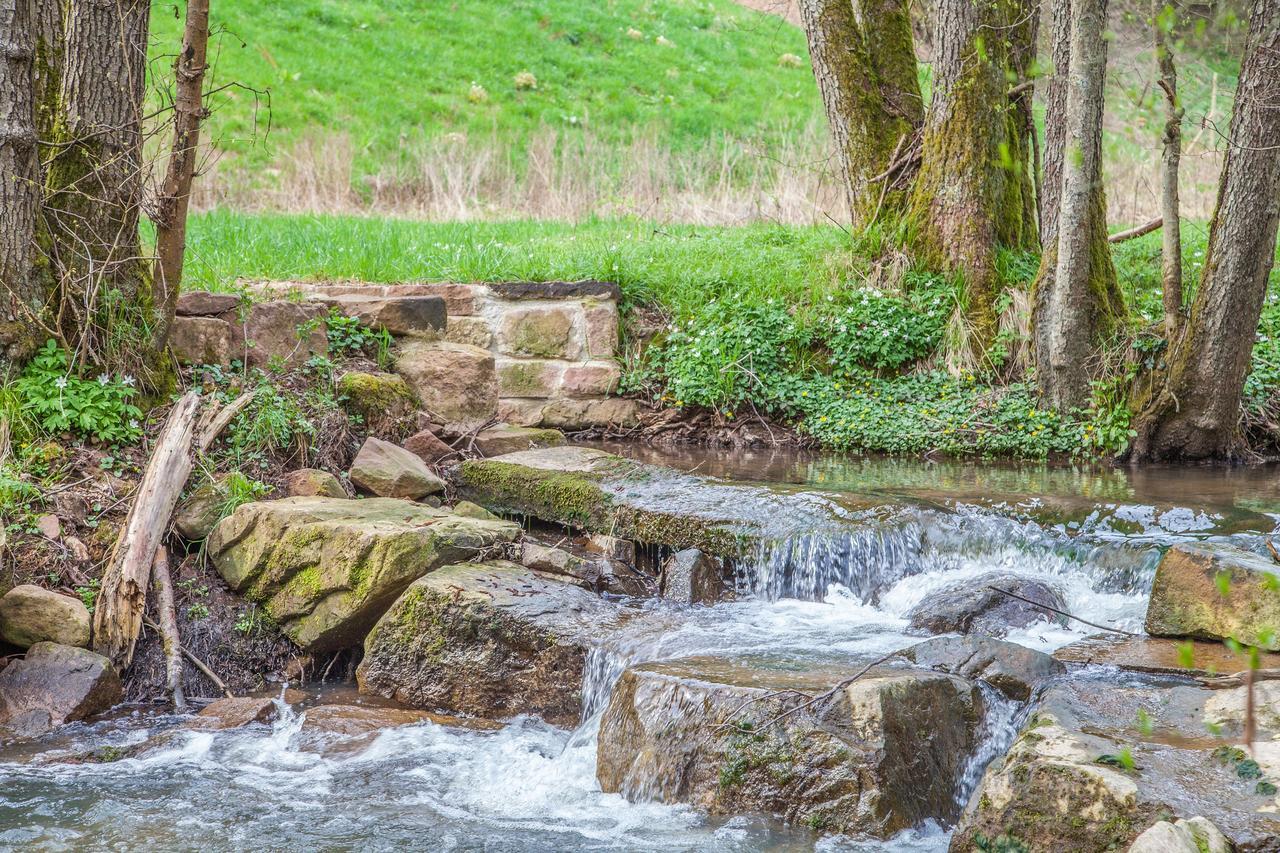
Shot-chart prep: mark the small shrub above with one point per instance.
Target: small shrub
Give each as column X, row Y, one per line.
column 347, row 335
column 240, row 490
column 880, row 331
column 96, row 409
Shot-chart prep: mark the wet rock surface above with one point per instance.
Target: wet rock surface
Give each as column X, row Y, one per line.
column 55, row 684
column 1212, row 591
column 503, row 438
column 1012, row 669
column 1098, row 762
column 325, row 569
column 488, row 640
column 31, row 614
column 885, row 754
column 1161, row 656
column 692, row 577
column 973, row 607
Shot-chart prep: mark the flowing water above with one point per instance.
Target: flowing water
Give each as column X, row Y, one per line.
column 810, row 595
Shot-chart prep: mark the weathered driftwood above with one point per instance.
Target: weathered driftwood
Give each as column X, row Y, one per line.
column 117, row 618
column 167, row 615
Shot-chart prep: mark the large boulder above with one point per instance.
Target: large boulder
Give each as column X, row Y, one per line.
column 885, row 754
column 388, row 471
column 488, row 640
column 1099, row 761
column 52, row 685
column 456, row 383
column 325, row 569
column 973, row 607
column 31, row 614
column 1212, row 591
column 1012, row 669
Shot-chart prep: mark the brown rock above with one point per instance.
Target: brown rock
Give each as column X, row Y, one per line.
column 528, row 378
column 383, row 469
column 427, row 447
column 1213, row 592
column 457, row 384
column 358, row 720
column 581, row 414
column 306, row 482
column 601, row 321
column 521, row 412
column 202, row 303
column 1012, row 669
column 285, row 333
column 402, row 316
column 31, row 614
column 231, row 713
column 557, row 290
column 55, row 684
column 50, row 527
column 1161, row 656
column 538, row 333
column 202, row 340
column 459, row 299
column 590, row 380
column 473, row 331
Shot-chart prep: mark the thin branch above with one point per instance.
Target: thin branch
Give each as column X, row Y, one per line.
column 1064, row 613
column 1138, row 231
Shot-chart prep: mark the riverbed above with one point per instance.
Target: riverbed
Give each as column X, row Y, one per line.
column 912, row 527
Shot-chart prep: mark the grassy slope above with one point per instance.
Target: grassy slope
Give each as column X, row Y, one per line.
column 384, row 70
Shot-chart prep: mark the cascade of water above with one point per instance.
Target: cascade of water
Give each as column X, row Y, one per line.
column 1000, row 723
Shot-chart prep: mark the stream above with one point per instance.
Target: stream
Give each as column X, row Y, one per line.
column 911, row 527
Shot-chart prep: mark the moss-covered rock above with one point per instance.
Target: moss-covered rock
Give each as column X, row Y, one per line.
column 885, row 755
column 489, row 640
column 380, row 400
column 1214, row 592
column 325, row 569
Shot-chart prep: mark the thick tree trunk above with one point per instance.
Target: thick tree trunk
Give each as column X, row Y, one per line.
column 94, row 183
column 1194, row 412
column 20, row 296
column 1076, row 296
column 864, row 60
column 975, row 192
column 171, row 217
column 1055, row 130
column 51, row 37
column 1171, row 254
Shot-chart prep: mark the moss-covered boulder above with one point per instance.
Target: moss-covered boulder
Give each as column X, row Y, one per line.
column 885, row 754
column 201, row 510
column 325, row 569
column 380, row 400
column 488, row 640
column 600, row 492
column 1212, row 591
column 1099, row 762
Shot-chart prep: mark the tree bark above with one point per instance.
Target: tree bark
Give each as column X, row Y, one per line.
column 974, row 192
column 1076, row 296
column 1055, row 131
column 20, row 298
column 1171, row 155
column 51, row 38
column 171, row 216
column 94, row 183
column 864, row 60
column 1193, row 411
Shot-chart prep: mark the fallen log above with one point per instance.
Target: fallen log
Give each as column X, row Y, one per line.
column 167, row 615
column 1138, row 231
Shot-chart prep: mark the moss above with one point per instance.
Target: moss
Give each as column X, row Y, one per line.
column 572, row 498
column 375, row 397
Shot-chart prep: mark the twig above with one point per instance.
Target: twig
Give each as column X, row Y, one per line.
column 1275, row 555
column 199, row 664
column 1138, row 231
column 1240, row 679
column 1063, row 613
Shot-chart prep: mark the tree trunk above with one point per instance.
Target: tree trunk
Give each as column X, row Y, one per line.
column 1076, row 296
column 21, row 298
column 1055, row 130
column 1193, row 412
column 864, row 60
column 94, row 183
column 1171, row 250
column 51, row 37
column 171, row 217
column 974, row 192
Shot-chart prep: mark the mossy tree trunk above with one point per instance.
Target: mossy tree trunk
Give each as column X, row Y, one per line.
column 94, row 181
column 51, row 37
column 1077, row 299
column 1163, row 21
column 864, row 59
column 974, row 192
column 19, row 180
column 1193, row 412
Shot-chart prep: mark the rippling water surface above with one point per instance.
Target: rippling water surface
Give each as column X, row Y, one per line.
column 907, row 529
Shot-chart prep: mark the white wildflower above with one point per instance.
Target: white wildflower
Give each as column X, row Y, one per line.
column 104, row 380
column 60, row 382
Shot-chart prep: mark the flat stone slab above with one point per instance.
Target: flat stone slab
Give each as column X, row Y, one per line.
column 1155, row 655
column 557, row 290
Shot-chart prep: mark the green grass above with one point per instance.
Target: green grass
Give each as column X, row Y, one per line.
column 385, row 71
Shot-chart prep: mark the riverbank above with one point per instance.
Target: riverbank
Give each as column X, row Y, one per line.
column 837, row 335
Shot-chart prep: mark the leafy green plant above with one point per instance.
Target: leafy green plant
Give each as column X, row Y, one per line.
column 347, row 335
column 89, row 593
column 241, row 490
column 272, row 423
column 882, row 331
column 97, row 409
column 198, row 611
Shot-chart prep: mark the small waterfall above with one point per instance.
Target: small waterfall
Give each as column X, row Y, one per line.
column 1000, row 723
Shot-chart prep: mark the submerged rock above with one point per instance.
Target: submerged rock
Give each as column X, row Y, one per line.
column 489, row 640
column 31, row 614
column 1211, row 591
column 1099, row 762
column 692, row 577
column 325, row 569
column 55, row 684
column 231, row 713
column 1012, row 669
column 383, row 469
column 972, row 607
column 884, row 755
